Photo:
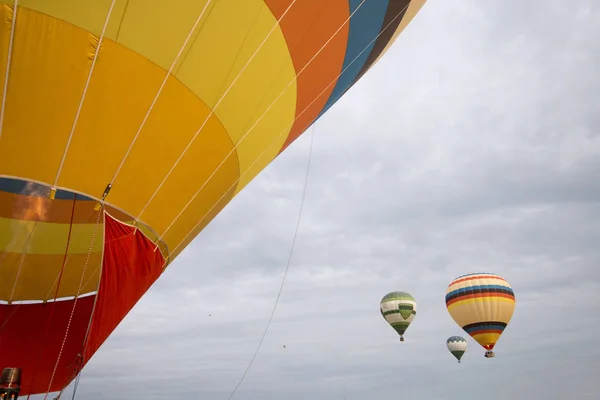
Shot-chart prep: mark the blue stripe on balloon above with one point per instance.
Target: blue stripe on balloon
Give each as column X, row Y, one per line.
column 484, row 327
column 474, row 289
column 365, row 26
column 18, row 186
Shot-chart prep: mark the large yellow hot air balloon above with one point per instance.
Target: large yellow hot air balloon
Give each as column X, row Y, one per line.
column 127, row 125
column 482, row 304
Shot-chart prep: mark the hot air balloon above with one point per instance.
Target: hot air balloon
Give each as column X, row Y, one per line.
column 457, row 345
column 398, row 309
column 482, row 304
column 126, row 127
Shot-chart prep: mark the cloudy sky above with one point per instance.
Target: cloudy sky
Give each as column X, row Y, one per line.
column 472, row 146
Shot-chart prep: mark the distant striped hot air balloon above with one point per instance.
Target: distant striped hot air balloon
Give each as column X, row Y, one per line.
column 457, row 345
column 398, row 309
column 482, row 304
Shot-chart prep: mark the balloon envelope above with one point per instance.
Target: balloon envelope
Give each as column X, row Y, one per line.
column 482, row 304
column 457, row 345
column 165, row 114
column 399, row 310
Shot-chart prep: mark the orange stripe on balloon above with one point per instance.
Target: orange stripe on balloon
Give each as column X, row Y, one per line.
column 307, row 26
column 44, row 209
column 470, row 278
column 484, row 331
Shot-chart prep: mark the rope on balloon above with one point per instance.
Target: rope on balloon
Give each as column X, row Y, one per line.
column 210, row 114
column 78, row 370
column 213, row 109
column 17, row 276
column 287, row 267
column 4, row 94
column 57, row 282
column 92, row 241
column 301, row 208
column 160, row 89
column 85, row 89
column 8, row 59
column 77, row 295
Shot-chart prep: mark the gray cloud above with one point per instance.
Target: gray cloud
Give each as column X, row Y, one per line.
column 473, row 145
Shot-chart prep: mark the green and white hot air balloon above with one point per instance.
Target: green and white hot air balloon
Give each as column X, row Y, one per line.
column 398, row 309
column 457, row 345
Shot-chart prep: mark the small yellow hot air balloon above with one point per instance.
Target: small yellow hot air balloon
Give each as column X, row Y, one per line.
column 482, row 304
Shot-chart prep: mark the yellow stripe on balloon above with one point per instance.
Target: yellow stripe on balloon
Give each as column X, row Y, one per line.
column 39, row 82
column 148, row 27
column 157, row 29
column 86, row 14
column 481, row 300
column 486, row 338
column 467, row 283
column 37, row 275
column 241, row 28
column 30, row 237
column 471, row 311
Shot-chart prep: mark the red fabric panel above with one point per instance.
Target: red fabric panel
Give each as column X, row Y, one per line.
column 25, row 342
column 130, row 266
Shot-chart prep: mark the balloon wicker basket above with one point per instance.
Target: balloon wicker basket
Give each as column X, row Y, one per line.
column 489, row 354
column 10, row 383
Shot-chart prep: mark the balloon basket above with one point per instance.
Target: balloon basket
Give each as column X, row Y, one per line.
column 401, row 339
column 10, row 383
column 489, row 354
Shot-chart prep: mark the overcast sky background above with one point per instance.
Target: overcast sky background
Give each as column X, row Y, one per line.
column 473, row 145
